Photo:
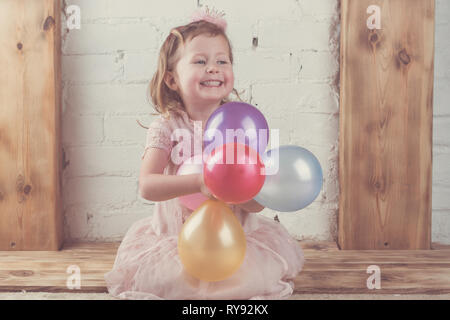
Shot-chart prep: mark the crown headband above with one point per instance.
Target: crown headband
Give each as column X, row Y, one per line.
column 212, row 16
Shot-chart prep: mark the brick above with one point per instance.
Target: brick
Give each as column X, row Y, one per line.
column 442, row 48
column 275, row 124
column 294, row 35
column 123, row 130
column 140, row 66
column 145, row 8
column 104, row 38
column 108, row 98
column 253, row 10
column 309, row 223
column 440, row 225
column 103, row 160
column 440, row 198
column 91, row 68
column 100, row 190
column 93, row 222
column 262, row 66
column 240, row 34
column 301, row 97
column 441, row 168
column 165, row 23
column 319, row 8
column 442, row 8
column 243, row 89
column 111, row 225
column 316, row 66
column 316, row 128
column 76, row 223
column 442, row 66
column 81, row 130
column 441, row 98
column 442, row 45
column 441, row 128
column 89, row 9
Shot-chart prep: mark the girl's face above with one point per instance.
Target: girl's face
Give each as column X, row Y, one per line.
column 204, row 74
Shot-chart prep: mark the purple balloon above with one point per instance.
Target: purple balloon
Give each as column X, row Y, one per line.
column 236, row 122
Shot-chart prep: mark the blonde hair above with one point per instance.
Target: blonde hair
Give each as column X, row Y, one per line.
column 164, row 99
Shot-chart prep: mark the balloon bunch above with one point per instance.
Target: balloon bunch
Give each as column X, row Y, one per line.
column 237, row 169
column 235, row 136
column 296, row 180
column 212, row 244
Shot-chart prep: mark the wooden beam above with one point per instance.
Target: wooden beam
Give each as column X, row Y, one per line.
column 386, row 115
column 31, row 216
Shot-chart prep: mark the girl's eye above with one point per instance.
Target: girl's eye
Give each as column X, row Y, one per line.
column 204, row 62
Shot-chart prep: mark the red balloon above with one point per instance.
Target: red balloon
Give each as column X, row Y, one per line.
column 233, row 173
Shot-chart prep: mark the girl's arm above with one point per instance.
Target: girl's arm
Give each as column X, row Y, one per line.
column 251, row 206
column 155, row 186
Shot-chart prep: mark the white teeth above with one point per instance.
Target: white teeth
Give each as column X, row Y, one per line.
column 211, row 83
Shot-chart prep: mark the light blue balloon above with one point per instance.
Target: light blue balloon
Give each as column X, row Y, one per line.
column 295, row 184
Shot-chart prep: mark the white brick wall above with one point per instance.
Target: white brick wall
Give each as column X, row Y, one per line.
column 108, row 63
column 441, row 126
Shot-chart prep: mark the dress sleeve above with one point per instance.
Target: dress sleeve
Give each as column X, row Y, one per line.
column 158, row 136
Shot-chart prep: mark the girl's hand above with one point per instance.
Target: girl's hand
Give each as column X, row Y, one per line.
column 251, row 206
column 203, row 188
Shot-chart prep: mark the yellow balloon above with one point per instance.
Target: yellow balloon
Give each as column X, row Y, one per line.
column 212, row 244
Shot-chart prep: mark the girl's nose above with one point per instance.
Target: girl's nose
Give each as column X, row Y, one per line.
column 211, row 69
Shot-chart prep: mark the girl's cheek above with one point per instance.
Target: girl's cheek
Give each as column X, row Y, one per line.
column 232, row 79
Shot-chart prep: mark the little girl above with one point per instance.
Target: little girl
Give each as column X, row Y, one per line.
column 194, row 77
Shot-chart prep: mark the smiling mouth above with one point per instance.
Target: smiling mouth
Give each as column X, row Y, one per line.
column 211, row 84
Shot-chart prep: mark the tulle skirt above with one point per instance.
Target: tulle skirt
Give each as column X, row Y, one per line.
column 147, row 265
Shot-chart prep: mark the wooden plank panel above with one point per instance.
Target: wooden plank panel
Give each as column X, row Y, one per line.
column 30, row 143
column 326, row 269
column 393, row 280
column 386, row 113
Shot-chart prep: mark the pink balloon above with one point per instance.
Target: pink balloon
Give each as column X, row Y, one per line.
column 192, row 165
column 232, row 173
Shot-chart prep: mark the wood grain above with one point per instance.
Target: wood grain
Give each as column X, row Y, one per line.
column 327, row 269
column 30, row 140
column 386, row 114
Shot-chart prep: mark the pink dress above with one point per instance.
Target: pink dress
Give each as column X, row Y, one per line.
column 147, row 265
